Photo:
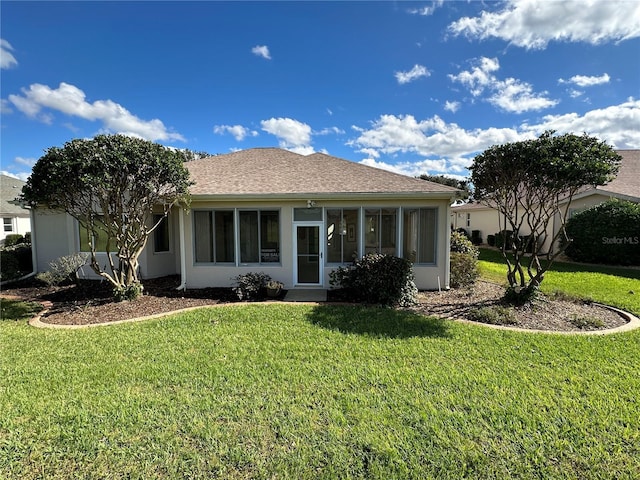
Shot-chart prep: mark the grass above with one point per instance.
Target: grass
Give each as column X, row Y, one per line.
column 296, row 391
column 615, row 286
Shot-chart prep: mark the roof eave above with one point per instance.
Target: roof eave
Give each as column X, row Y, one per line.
column 324, row 196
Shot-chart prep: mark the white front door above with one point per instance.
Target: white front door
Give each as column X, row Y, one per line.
column 308, row 255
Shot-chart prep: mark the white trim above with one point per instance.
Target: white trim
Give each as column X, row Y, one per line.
column 320, row 225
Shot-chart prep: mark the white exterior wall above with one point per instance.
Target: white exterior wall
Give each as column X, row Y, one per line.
column 486, row 220
column 19, row 225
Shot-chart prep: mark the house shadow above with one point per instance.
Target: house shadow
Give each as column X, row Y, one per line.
column 377, row 322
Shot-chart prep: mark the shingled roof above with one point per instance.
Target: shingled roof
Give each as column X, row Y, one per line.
column 10, row 189
column 273, row 172
column 627, row 182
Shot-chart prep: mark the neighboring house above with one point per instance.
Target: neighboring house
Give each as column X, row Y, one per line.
column 294, row 217
column 15, row 219
column 626, row 186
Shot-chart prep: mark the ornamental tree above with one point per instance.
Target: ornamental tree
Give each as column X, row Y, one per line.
column 531, row 182
column 111, row 185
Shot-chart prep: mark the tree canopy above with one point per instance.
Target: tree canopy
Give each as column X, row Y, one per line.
column 112, row 185
column 531, row 182
column 463, row 185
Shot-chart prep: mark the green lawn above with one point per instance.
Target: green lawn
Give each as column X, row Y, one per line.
column 303, row 392
column 615, row 286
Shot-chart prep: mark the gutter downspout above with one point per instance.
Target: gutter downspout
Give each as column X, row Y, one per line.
column 447, row 261
column 183, row 260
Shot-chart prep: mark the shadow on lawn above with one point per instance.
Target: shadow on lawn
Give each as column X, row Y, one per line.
column 378, row 322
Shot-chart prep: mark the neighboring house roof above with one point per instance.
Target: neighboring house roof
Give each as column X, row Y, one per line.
column 627, row 182
column 273, row 172
column 470, row 207
column 10, row 188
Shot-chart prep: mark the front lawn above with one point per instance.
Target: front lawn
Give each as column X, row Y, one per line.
column 296, row 391
column 615, row 286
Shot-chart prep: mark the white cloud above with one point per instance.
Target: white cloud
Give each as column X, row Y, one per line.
column 532, row 24
column 452, row 107
column 7, row 60
column 416, row 72
column 426, row 11
column 261, row 51
column 329, row 131
column 238, row 131
column 511, row 95
column 575, row 93
column 292, row 134
column 70, row 100
column 5, row 107
column 616, row 124
column 447, row 147
column 20, row 175
column 587, row 81
column 29, row 162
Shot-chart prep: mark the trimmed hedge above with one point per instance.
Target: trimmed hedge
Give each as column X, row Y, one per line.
column 464, row 261
column 608, row 233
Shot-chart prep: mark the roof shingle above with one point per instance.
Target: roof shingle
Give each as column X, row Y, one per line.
column 273, row 171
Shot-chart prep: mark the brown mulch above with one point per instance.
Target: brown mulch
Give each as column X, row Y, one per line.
column 91, row 303
column 545, row 314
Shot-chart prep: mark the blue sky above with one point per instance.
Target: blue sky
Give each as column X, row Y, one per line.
column 413, row 87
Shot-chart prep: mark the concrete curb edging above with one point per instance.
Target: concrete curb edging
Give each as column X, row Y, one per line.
column 633, row 322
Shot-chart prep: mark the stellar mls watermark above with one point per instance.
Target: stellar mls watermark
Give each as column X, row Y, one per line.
column 620, row 240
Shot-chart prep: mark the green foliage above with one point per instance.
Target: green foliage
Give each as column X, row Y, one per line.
column 111, row 184
column 251, row 286
column 606, row 233
column 64, row 269
column 519, row 296
column 586, row 322
column 464, row 261
column 463, row 185
column 13, row 239
column 15, row 261
column 379, row 280
column 526, row 182
column 464, row 270
column 494, row 315
column 128, row 292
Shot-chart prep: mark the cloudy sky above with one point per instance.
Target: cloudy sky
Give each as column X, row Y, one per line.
column 413, row 87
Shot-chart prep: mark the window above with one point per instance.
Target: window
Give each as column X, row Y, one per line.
column 8, row 224
column 419, row 235
column 380, row 230
column 99, row 240
column 259, row 236
column 468, row 219
column 342, row 238
column 214, row 236
column 161, row 234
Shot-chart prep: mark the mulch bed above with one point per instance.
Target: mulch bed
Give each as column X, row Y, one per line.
column 91, row 303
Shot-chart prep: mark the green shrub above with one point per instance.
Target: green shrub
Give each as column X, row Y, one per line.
column 15, row 262
column 496, row 315
column 251, row 286
column 129, row 292
column 520, row 296
column 464, row 270
column 64, row 269
column 586, row 322
column 607, row 233
column 378, row 279
column 13, row 239
column 464, row 261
